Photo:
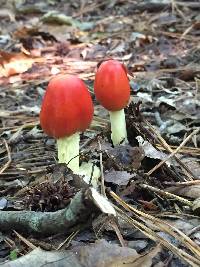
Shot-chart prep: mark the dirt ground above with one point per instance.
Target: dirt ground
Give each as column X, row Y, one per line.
column 147, row 210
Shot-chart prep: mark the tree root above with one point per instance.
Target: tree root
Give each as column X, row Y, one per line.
column 69, row 219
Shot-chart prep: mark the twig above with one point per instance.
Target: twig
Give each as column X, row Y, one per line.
column 9, row 158
column 173, row 153
column 168, row 148
column 103, row 191
column 197, row 93
column 193, row 230
column 157, row 238
column 162, row 226
column 183, row 183
column 187, row 31
column 23, row 239
column 175, row 8
column 179, row 35
column 115, row 227
column 184, row 150
column 89, row 8
column 167, row 194
column 67, row 240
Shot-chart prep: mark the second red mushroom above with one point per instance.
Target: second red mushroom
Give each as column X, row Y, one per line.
column 112, row 90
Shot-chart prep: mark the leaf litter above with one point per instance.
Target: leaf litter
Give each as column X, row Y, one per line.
column 153, row 183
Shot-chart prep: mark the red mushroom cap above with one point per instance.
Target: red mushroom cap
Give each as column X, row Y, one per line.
column 111, row 85
column 67, row 107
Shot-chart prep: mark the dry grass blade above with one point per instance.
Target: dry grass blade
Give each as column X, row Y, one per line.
column 164, row 227
column 168, row 227
column 67, row 240
column 155, row 237
column 183, row 183
column 87, row 8
column 9, row 158
column 168, row 148
column 115, row 227
column 103, row 192
column 194, row 151
column 23, row 239
column 167, row 194
column 174, row 152
column 26, row 125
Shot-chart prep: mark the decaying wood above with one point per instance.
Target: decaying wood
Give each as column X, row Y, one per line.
column 69, row 219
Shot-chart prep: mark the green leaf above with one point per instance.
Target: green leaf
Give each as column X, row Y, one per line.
column 13, row 254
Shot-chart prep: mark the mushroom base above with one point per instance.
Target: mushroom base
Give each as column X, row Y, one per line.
column 91, row 173
column 118, row 127
column 68, row 151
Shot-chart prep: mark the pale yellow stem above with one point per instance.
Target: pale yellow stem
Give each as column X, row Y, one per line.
column 68, row 151
column 118, row 127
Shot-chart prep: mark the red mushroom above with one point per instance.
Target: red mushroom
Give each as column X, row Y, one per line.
column 67, row 109
column 112, row 90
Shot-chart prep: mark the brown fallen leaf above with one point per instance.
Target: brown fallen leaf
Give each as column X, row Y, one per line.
column 14, row 63
column 148, row 205
column 144, row 260
column 104, row 254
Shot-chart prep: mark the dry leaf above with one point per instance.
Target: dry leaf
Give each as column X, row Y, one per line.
column 104, row 254
column 14, row 63
column 118, row 177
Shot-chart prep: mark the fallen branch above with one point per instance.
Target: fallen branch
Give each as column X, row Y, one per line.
column 69, row 219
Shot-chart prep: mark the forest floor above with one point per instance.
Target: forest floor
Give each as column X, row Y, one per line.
column 151, row 214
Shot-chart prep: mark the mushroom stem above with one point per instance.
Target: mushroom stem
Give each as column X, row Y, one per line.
column 118, row 127
column 68, row 151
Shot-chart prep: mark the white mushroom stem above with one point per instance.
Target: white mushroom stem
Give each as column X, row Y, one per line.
column 118, row 127
column 68, row 151
column 91, row 173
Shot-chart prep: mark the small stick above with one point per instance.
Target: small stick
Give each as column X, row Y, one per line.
column 193, row 230
column 183, row 183
column 115, row 227
column 103, row 191
column 26, row 241
column 167, row 194
column 67, row 240
column 184, row 150
column 167, row 147
column 9, row 158
column 173, row 153
column 161, row 225
column 197, row 88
